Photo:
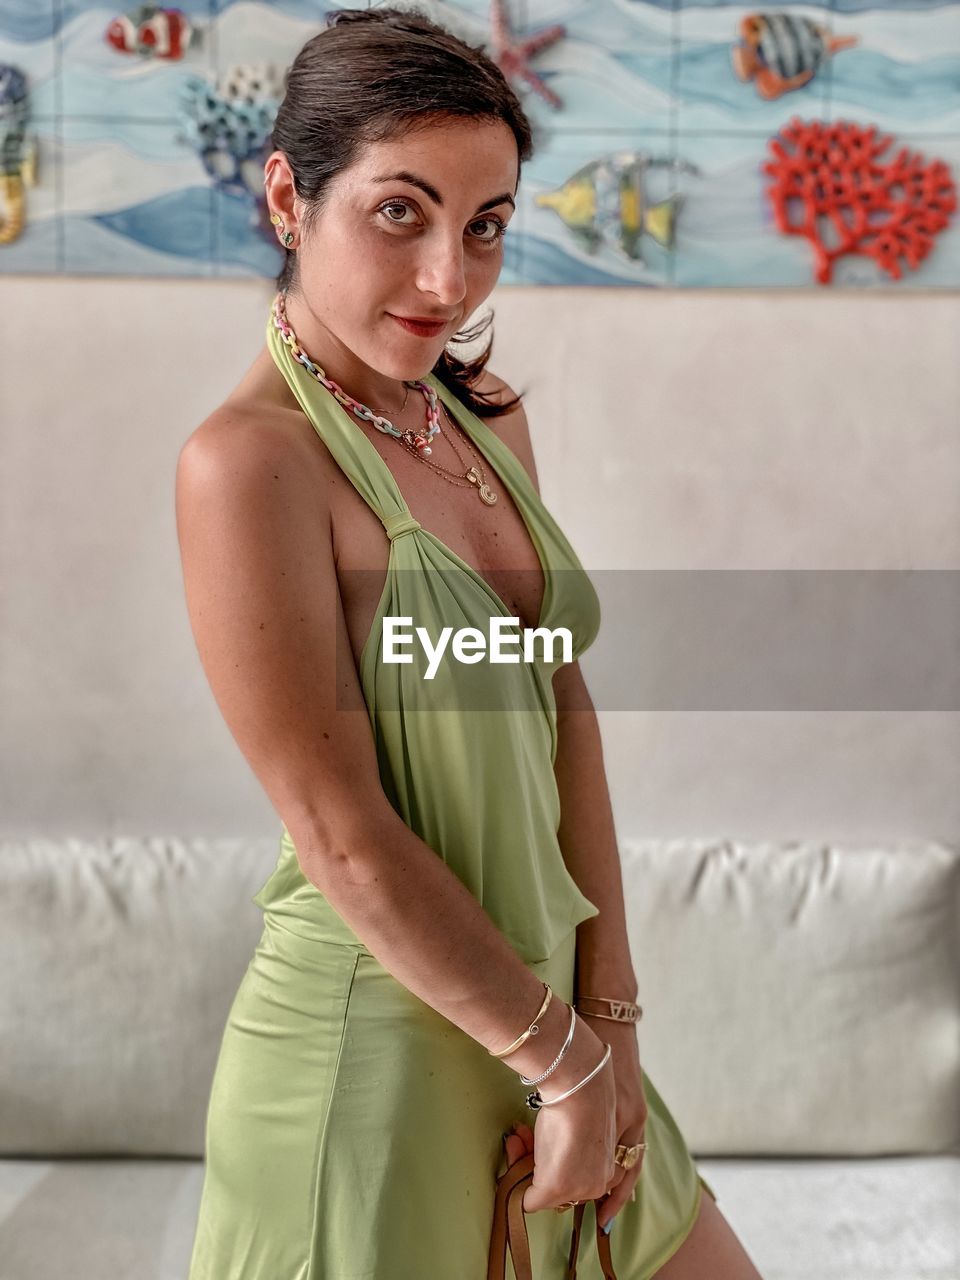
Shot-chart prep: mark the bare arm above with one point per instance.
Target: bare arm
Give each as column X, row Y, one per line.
column 589, row 842
column 260, row 579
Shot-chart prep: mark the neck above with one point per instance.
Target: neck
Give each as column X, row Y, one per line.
column 383, row 394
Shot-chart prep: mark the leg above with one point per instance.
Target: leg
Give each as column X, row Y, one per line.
column 710, row 1252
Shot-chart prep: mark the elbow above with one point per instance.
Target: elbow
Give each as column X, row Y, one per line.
column 342, row 856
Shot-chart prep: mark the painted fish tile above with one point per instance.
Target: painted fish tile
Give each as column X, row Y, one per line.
column 29, row 234
column 746, row 69
column 131, row 64
column 597, row 209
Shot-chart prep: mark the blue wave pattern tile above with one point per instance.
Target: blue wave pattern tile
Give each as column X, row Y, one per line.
column 904, row 71
column 27, row 31
column 135, row 202
column 612, row 69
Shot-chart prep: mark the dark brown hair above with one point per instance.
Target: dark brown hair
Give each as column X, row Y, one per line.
column 373, row 75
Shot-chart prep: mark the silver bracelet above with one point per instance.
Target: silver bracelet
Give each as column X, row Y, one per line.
column 535, row 1102
column 566, row 1046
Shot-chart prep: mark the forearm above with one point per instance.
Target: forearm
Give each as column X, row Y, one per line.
column 589, row 844
column 426, row 929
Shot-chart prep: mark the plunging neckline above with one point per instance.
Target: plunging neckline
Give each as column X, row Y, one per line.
column 546, row 600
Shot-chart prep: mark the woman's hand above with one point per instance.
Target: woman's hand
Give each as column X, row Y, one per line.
column 630, row 1111
column 631, row 1108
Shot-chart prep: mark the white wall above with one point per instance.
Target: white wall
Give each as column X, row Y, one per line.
column 673, row 430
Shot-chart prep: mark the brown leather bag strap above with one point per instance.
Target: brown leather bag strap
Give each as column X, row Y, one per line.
column 578, row 1211
column 603, row 1248
column 507, row 1225
column 510, row 1232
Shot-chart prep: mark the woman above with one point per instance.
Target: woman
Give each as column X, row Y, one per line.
column 448, row 880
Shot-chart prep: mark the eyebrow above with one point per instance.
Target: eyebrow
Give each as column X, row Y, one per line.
column 403, row 175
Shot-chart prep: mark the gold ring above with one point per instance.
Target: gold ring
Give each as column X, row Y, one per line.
column 628, row 1156
column 562, row 1208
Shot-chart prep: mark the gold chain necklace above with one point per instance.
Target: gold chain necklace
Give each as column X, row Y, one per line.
column 474, row 474
column 406, row 392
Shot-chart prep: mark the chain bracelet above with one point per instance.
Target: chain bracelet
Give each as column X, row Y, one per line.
column 566, row 1046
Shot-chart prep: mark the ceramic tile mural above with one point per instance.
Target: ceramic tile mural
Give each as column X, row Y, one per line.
column 133, row 139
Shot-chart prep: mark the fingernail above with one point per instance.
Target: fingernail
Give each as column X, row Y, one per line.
column 609, row 1227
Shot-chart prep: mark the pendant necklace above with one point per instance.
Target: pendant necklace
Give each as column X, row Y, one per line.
column 417, row 442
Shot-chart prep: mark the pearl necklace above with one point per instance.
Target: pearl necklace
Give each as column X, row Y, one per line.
column 418, row 442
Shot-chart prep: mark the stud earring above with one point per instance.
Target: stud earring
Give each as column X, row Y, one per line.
column 278, row 223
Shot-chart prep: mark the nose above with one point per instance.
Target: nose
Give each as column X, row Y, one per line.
column 441, row 271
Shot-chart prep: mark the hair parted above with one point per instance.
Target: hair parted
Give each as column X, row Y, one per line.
column 373, row 75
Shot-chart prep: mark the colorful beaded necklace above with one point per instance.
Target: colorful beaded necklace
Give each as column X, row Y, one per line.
column 418, row 442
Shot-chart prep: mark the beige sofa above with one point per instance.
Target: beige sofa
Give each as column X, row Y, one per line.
column 802, row 1020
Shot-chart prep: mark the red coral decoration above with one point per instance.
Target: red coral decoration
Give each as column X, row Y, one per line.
column 884, row 211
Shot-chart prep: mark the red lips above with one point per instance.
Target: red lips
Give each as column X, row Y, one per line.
column 422, row 328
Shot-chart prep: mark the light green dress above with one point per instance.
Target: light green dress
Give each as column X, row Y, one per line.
column 353, row 1133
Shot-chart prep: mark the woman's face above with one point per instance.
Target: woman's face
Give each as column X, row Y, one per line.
column 413, row 228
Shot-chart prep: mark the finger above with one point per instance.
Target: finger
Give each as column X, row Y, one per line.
column 514, row 1147
column 526, row 1133
column 608, row 1209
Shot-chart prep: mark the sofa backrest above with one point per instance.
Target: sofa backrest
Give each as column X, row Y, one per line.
column 798, row 998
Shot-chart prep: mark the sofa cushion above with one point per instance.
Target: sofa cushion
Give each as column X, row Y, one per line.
column 119, row 959
column 800, row 998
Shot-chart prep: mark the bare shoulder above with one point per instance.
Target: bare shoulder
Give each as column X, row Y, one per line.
column 241, row 426
column 261, row 446
column 511, row 427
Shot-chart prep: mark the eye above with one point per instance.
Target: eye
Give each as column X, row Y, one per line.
column 394, row 204
column 499, row 227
